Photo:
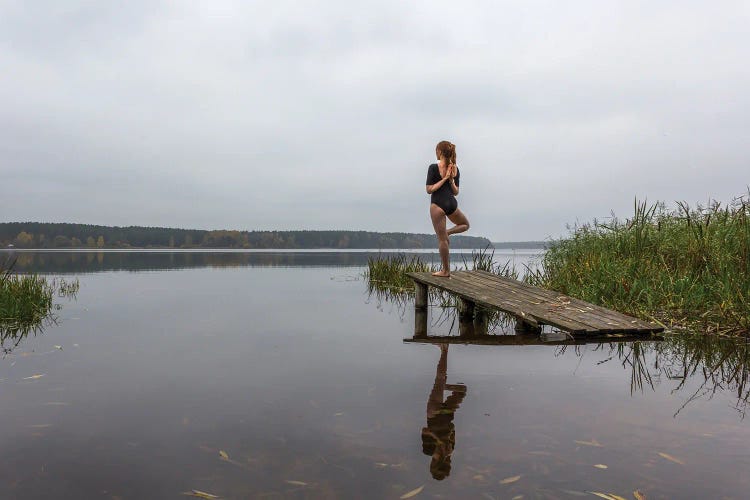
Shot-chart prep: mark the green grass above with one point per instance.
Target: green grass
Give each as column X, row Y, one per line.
column 387, row 280
column 686, row 268
column 388, row 274
column 27, row 300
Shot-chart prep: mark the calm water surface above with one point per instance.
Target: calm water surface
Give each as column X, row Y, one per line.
column 275, row 375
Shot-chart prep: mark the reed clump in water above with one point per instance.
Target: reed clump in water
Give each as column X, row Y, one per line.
column 387, row 279
column 389, row 273
column 686, row 268
column 27, row 300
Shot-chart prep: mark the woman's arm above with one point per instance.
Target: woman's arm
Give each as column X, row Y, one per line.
column 431, row 188
column 453, row 176
column 454, row 186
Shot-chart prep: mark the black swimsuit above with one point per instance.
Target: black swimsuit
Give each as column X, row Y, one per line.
column 443, row 197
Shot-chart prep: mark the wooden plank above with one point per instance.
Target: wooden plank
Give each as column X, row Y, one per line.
column 578, row 311
column 512, row 306
column 528, row 339
column 539, row 309
column 607, row 315
column 484, row 296
column 577, row 303
column 473, row 293
column 535, row 305
column 536, row 309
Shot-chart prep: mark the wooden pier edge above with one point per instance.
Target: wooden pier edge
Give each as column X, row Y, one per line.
column 531, row 306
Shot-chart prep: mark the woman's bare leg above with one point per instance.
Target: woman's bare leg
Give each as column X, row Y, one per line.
column 460, row 221
column 438, row 222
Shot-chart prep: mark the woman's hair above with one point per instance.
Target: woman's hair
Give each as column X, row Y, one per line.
column 447, row 149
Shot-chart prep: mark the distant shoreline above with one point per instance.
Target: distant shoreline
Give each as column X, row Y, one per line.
column 47, row 236
column 256, row 250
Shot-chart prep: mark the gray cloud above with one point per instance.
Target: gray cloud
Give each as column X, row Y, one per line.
column 303, row 115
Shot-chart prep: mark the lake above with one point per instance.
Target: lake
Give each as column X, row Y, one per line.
column 276, row 375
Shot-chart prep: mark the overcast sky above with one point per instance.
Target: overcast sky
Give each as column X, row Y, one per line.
column 325, row 115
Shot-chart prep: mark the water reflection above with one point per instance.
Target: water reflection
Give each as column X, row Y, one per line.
column 12, row 337
column 290, row 374
column 439, row 437
column 697, row 365
column 701, row 365
column 79, row 262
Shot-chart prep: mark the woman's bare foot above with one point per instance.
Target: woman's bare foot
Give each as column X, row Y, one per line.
column 442, row 274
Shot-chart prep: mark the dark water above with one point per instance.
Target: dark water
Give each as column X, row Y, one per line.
column 305, row 383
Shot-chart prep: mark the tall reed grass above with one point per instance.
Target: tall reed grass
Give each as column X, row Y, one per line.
column 387, row 280
column 388, row 273
column 27, row 300
column 686, row 267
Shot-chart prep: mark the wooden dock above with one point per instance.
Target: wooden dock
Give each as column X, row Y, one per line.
column 527, row 339
column 532, row 306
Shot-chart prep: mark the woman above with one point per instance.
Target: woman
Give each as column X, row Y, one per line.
column 442, row 184
column 439, row 437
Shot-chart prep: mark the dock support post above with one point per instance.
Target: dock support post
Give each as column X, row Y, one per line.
column 420, row 309
column 420, row 322
column 524, row 326
column 481, row 321
column 420, row 296
column 465, row 309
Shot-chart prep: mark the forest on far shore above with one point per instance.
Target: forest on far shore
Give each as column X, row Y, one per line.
column 63, row 235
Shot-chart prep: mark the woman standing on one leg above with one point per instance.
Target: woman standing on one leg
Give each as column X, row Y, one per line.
column 442, row 184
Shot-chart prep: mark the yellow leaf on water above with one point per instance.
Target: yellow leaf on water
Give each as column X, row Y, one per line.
column 517, row 497
column 511, row 479
column 295, row 483
column 602, row 495
column 380, row 465
column 601, row 466
column 200, row 494
column 412, row 493
column 593, row 442
column 34, row 377
column 638, row 495
column 223, row 454
column 671, row 458
column 607, row 496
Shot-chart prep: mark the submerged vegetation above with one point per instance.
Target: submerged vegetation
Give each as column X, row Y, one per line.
column 685, row 268
column 27, row 301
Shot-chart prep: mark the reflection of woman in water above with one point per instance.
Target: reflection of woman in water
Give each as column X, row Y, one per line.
column 442, row 184
column 439, row 437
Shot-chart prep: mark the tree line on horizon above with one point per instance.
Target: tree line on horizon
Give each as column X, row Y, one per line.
column 66, row 235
